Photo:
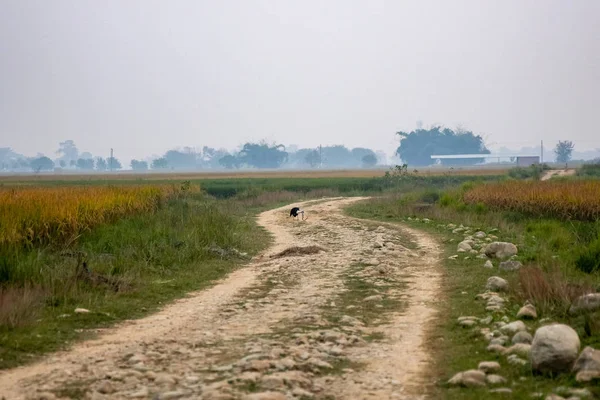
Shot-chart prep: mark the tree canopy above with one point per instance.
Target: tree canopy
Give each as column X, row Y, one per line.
column 417, row 147
column 42, row 164
column 563, row 151
column 262, row 155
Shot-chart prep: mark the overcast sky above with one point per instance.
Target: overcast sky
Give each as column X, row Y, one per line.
column 146, row 76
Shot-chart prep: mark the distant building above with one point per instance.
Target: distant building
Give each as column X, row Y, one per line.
column 526, row 161
column 520, row 160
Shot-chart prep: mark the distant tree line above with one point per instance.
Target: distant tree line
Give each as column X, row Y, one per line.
column 415, row 149
column 251, row 155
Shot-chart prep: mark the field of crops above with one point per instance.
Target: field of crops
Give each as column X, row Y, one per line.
column 41, row 215
column 578, row 200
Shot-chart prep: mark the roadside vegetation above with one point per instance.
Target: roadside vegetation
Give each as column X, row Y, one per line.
column 556, row 229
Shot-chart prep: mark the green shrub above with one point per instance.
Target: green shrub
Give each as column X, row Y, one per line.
column 588, row 260
column 430, row 196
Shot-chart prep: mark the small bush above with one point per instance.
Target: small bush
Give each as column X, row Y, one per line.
column 430, row 196
column 19, row 306
column 549, row 291
column 588, row 260
column 590, row 170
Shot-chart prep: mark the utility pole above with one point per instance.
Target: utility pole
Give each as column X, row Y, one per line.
column 542, row 157
column 320, row 156
column 111, row 160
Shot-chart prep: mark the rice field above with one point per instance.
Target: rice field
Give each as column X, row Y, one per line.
column 32, row 216
column 569, row 200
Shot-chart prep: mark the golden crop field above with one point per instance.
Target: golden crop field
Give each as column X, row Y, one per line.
column 317, row 173
column 40, row 215
column 578, row 200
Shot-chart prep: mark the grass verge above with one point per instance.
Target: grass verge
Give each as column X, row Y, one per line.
column 548, row 251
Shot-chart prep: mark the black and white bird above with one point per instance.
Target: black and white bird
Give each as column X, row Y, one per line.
column 295, row 211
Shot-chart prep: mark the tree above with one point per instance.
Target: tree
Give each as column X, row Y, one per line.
column 85, row 163
column 359, row 153
column 139, row 165
column 181, row 159
column 369, row 160
column 101, row 164
column 417, row 147
column 262, row 155
column 229, row 161
column 313, row 158
column 68, row 151
column 42, row 164
column 113, row 164
column 563, row 151
column 336, row 156
column 159, row 163
column 62, row 163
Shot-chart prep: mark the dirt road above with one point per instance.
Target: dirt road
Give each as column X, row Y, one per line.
column 336, row 309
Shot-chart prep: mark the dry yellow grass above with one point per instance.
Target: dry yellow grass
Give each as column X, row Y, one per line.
column 32, row 216
column 562, row 199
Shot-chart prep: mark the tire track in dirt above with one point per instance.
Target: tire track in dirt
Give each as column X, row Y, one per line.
column 291, row 327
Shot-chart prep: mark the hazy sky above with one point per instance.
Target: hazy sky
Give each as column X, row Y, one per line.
column 145, row 76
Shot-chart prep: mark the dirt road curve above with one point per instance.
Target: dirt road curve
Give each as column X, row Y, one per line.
column 347, row 322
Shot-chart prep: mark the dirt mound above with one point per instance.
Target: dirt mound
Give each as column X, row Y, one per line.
column 298, row 251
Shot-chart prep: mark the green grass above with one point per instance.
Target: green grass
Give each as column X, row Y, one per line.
column 547, row 244
column 152, row 258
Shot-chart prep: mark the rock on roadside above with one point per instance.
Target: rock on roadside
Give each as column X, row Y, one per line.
column 587, row 365
column 470, row 378
column 500, row 250
column 510, row 265
column 554, row 348
column 587, row 302
column 528, row 311
column 496, row 284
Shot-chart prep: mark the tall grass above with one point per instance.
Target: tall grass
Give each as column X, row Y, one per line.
column 52, row 215
column 132, row 265
column 560, row 199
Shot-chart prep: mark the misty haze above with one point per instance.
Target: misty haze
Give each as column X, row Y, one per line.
column 310, row 200
column 206, row 78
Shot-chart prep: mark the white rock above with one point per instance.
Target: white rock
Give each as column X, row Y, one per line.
column 502, row 390
column 587, row 302
column 510, row 265
column 496, row 284
column 488, row 264
column 470, row 378
column 513, row 327
column 514, row 359
column 522, row 337
column 81, row 311
column 587, row 365
column 528, row 311
column 500, row 250
column 489, row 366
column 480, row 235
column 554, row 348
column 520, row 349
column 465, row 245
column 494, row 379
